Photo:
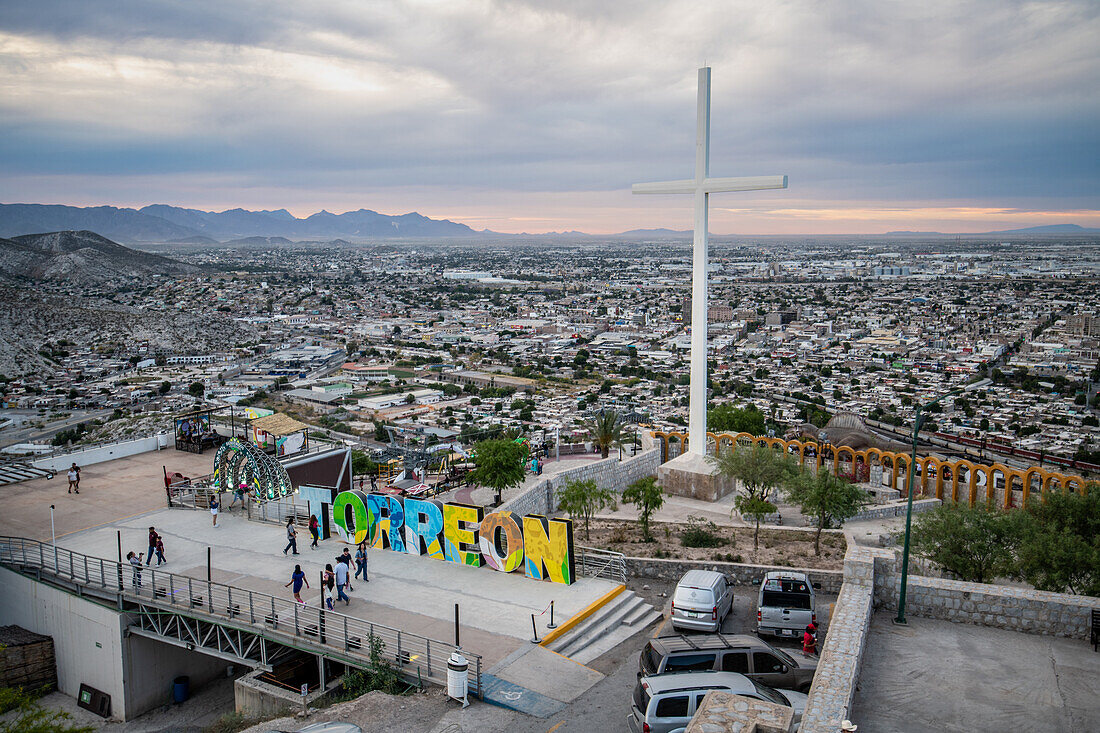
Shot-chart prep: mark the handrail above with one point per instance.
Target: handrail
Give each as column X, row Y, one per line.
column 597, row 563
column 336, row 633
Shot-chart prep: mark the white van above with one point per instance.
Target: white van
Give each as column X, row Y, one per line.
column 702, row 599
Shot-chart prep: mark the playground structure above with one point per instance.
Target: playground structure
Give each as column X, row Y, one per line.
column 240, row 464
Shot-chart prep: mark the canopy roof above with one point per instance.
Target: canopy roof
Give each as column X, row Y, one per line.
column 278, row 424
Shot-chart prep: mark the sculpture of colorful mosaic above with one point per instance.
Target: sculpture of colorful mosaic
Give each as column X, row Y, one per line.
column 240, row 465
column 459, row 533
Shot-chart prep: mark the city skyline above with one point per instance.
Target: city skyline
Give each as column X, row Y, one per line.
column 518, row 117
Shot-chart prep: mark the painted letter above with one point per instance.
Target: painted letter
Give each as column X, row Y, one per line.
column 389, row 523
column 349, row 512
column 548, row 544
column 423, row 528
column 509, row 555
column 460, row 541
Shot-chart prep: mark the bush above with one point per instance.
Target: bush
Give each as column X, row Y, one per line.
column 32, row 717
column 701, row 532
column 379, row 675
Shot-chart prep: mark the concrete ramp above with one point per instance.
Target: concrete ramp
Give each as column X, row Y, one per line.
column 537, row 681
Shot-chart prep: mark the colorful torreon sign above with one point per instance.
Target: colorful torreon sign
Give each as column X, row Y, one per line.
column 459, row 533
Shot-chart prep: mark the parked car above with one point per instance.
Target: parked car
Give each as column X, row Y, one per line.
column 748, row 655
column 786, row 605
column 665, row 703
column 701, row 600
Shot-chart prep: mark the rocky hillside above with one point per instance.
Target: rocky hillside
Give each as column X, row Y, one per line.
column 29, row 319
column 81, row 256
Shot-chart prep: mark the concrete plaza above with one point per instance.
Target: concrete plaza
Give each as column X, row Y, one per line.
column 108, row 491
column 938, row 676
column 411, row 593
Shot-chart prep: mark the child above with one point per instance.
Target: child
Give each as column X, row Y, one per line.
column 328, row 585
column 214, row 506
column 160, row 551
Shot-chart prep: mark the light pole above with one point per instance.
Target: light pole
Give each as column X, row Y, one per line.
column 917, row 420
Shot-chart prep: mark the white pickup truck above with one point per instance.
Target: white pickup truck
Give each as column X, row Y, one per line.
column 786, row 605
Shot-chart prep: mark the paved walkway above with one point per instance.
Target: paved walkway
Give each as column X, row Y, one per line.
column 108, row 491
column 942, row 677
column 481, row 496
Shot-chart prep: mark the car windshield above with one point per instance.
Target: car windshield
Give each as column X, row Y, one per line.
column 769, row 694
column 783, row 656
column 778, row 599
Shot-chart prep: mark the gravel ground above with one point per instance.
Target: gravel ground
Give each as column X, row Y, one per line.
column 374, row 712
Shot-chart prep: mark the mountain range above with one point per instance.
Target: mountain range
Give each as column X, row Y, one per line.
column 81, row 255
column 161, row 223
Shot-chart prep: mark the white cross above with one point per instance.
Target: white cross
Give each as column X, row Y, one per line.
column 701, row 187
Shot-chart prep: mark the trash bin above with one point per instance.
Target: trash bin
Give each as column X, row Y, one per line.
column 181, row 689
column 456, row 677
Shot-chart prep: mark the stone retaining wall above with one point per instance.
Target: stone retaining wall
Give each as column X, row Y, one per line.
column 895, row 509
column 742, row 573
column 609, row 473
column 1005, row 607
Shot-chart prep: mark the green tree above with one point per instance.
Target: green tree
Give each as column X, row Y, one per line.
column 726, row 418
column 825, row 497
column 583, row 499
column 647, row 497
column 165, row 387
column 361, row 463
column 973, row 543
column 1060, row 546
column 380, row 434
column 197, row 389
column 498, row 464
column 606, row 430
column 757, row 508
column 758, row 469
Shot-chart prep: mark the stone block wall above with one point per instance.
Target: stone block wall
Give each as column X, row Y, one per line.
column 1006, row 607
column 724, row 712
column 895, row 509
column 609, row 473
column 742, row 573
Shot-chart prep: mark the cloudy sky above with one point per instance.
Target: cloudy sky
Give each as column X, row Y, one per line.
column 953, row 115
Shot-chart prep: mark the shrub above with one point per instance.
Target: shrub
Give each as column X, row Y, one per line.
column 701, row 532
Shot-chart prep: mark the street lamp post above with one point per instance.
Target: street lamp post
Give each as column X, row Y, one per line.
column 917, row 421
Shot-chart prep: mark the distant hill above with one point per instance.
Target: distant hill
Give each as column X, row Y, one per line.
column 81, row 255
column 1047, row 229
column 162, row 223
column 656, row 233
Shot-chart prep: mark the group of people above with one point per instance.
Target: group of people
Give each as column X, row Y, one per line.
column 156, row 547
column 335, row 581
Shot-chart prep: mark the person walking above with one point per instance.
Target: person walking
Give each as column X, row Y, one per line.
column 314, row 530
column 341, row 583
column 160, row 551
column 135, row 562
column 361, row 561
column 297, row 579
column 153, row 537
column 74, row 478
column 328, row 585
column 238, row 495
column 345, row 558
column 215, row 505
column 291, row 537
column 809, row 640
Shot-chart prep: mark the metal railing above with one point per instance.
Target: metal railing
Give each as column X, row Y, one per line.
column 281, row 620
column 593, row 562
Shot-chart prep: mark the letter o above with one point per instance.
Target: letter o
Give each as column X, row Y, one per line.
column 502, row 526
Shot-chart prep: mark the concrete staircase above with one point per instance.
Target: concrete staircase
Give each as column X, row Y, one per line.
column 13, row 473
column 623, row 616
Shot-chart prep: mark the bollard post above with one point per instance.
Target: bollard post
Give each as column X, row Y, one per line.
column 534, row 631
column 551, row 625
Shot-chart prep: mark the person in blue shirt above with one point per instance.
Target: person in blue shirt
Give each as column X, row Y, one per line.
column 297, row 579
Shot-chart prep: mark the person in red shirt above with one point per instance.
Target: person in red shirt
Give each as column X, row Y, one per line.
column 809, row 640
column 314, row 529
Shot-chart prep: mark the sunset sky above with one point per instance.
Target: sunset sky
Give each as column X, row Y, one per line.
column 955, row 116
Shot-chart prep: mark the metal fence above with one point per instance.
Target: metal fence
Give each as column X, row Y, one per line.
column 281, row 620
column 596, row 563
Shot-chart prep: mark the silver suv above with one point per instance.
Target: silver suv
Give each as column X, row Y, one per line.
column 667, row 702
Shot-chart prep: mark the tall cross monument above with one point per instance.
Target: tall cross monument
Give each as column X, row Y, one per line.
column 701, row 186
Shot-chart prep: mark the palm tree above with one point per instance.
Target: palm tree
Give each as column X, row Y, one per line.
column 605, row 430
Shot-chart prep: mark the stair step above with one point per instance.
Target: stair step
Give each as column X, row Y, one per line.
column 618, row 619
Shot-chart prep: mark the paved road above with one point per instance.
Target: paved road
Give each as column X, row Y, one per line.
column 30, row 434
